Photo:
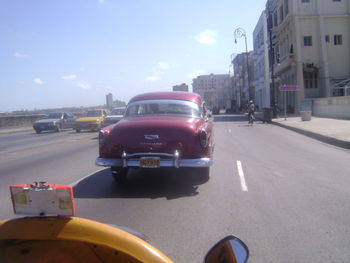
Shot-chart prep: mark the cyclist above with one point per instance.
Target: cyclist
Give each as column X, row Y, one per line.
column 251, row 111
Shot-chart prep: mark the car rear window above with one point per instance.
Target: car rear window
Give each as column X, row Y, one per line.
column 55, row 115
column 94, row 113
column 163, row 107
column 118, row 112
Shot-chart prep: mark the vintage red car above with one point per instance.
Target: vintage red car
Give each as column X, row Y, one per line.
column 159, row 129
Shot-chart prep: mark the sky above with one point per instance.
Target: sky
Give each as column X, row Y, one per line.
column 71, row 53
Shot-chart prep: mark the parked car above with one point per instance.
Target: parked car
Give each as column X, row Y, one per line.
column 54, row 121
column 92, row 121
column 161, row 129
column 115, row 116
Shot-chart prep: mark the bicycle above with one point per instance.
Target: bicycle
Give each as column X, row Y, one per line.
column 251, row 118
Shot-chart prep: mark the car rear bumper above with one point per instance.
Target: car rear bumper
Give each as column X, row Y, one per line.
column 167, row 160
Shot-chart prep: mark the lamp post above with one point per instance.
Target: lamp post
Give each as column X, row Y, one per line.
column 238, row 33
column 272, row 60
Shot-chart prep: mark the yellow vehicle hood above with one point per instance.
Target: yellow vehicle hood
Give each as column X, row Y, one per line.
column 90, row 119
column 46, row 237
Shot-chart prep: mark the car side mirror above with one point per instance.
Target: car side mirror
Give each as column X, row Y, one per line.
column 229, row 250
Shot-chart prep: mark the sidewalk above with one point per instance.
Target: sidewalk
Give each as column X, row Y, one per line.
column 16, row 130
column 332, row 131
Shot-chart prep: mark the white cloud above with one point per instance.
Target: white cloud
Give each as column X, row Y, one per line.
column 101, row 1
column 20, row 55
column 83, row 85
column 69, row 77
column 196, row 73
column 152, row 78
column 163, row 65
column 38, row 81
column 207, row 36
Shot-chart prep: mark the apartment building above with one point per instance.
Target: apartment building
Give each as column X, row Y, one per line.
column 243, row 71
column 216, row 89
column 109, row 100
column 262, row 80
column 182, row 87
column 311, row 51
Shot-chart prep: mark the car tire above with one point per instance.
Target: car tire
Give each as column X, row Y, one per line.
column 204, row 174
column 58, row 128
column 77, row 130
column 38, row 131
column 120, row 174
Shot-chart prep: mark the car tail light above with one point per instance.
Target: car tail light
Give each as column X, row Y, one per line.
column 102, row 136
column 203, row 139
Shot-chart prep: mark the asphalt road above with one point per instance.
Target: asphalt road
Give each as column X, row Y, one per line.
column 292, row 206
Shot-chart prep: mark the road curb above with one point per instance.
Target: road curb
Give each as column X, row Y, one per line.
column 317, row 136
column 15, row 130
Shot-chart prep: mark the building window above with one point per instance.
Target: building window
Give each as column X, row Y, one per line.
column 281, row 14
column 336, row 0
column 327, row 38
column 310, row 80
column 275, row 21
column 305, row 1
column 286, row 6
column 308, row 41
column 338, row 40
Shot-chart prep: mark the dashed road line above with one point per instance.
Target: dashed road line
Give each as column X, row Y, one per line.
column 241, row 177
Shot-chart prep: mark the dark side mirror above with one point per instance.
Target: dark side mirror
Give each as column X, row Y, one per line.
column 228, row 250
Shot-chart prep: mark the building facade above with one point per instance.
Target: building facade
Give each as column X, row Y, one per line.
column 216, row 89
column 182, row 87
column 109, row 100
column 243, row 71
column 262, row 80
column 310, row 48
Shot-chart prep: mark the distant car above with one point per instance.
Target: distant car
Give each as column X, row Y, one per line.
column 54, row 121
column 161, row 129
column 115, row 116
column 92, row 121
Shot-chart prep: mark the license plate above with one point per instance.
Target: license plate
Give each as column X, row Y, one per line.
column 150, row 162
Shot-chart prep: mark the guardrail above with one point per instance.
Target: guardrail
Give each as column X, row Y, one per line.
column 19, row 120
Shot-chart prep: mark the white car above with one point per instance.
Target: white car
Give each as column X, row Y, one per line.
column 116, row 115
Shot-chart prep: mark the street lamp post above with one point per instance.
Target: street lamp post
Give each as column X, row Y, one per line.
column 272, row 55
column 238, row 33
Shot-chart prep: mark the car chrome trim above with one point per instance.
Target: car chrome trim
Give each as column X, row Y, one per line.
column 151, row 136
column 177, row 163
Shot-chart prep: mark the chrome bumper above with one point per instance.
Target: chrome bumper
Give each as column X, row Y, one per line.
column 170, row 160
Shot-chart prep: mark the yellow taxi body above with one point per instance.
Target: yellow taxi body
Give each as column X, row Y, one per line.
column 71, row 239
column 93, row 120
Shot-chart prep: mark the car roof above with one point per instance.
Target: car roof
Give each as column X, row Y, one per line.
column 179, row 95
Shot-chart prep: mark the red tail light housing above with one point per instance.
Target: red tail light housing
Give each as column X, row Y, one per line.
column 203, row 138
column 102, row 135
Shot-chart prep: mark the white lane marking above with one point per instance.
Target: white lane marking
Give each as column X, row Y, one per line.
column 86, row 176
column 241, row 176
column 229, row 130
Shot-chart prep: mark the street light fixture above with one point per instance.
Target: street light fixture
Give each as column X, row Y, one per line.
column 238, row 33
